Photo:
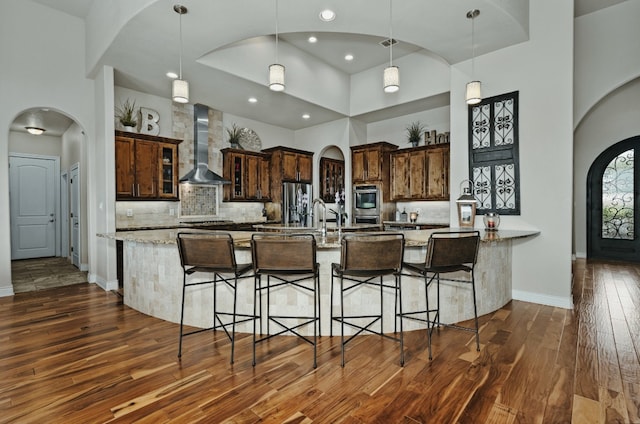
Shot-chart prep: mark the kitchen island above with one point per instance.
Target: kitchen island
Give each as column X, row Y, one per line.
column 153, row 280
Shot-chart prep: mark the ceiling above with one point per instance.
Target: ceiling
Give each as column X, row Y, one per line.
column 217, row 32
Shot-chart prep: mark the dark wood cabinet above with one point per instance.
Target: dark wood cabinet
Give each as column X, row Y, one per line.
column 370, row 162
column 287, row 165
column 420, row 173
column 296, row 165
column 331, row 178
column 146, row 167
column 249, row 174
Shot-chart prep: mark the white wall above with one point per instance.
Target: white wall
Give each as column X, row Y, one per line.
column 606, row 53
column 51, row 75
column 20, row 142
column 613, row 119
column 541, row 69
column 270, row 135
column 394, row 130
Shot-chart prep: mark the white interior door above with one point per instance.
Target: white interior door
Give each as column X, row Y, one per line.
column 32, row 194
column 74, row 194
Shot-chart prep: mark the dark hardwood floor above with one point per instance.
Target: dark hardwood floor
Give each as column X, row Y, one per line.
column 76, row 354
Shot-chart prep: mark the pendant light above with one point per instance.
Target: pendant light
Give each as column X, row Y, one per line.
column 276, row 71
column 391, row 76
column 180, row 92
column 474, row 89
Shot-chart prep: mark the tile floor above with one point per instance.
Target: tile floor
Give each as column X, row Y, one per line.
column 44, row 273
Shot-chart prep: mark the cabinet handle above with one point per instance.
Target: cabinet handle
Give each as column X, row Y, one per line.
column 133, row 189
column 138, row 190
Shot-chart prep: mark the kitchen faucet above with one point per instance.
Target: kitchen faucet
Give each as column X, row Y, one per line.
column 323, row 232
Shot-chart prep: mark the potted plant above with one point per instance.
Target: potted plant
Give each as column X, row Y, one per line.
column 234, row 134
column 126, row 114
column 414, row 133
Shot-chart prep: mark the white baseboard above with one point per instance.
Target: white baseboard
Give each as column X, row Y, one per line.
column 105, row 285
column 543, row 299
column 6, row 291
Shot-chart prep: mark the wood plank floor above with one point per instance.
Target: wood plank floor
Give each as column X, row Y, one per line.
column 75, row 354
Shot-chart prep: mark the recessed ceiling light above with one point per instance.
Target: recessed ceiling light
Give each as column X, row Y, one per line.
column 172, row 75
column 327, row 15
column 306, row 116
column 312, row 39
column 253, row 100
column 348, row 57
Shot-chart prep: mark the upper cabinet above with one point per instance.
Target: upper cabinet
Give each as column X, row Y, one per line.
column 290, row 165
column 249, row 175
column 370, row 162
column 146, row 167
column 331, row 178
column 420, row 173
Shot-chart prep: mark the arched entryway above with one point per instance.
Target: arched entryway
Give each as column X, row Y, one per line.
column 613, row 206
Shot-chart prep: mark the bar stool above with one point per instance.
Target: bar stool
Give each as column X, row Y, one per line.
column 288, row 262
column 364, row 260
column 214, row 253
column 447, row 252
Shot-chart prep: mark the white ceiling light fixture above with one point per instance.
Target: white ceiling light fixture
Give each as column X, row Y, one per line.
column 391, row 76
column 327, row 15
column 312, row 39
column 474, row 88
column 180, row 87
column 252, row 100
column 171, row 75
column 276, row 70
column 348, row 57
column 306, row 116
column 35, row 125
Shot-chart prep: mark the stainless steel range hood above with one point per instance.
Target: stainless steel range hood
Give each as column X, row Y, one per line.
column 201, row 174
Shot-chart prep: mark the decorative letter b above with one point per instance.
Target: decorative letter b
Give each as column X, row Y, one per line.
column 150, row 120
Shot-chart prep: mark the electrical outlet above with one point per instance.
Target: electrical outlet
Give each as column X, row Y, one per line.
column 172, row 211
column 129, row 212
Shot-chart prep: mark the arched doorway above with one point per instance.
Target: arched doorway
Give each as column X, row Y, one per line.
column 613, row 207
column 46, row 208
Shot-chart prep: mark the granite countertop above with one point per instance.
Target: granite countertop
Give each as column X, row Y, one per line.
column 212, row 224
column 413, row 238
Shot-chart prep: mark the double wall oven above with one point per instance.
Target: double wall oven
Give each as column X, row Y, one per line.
column 367, row 204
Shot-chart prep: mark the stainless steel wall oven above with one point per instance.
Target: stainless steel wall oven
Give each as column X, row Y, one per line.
column 366, row 204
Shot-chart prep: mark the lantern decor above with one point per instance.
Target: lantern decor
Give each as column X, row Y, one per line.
column 466, row 205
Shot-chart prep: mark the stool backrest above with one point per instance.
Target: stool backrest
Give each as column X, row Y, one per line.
column 376, row 254
column 285, row 254
column 210, row 249
column 448, row 249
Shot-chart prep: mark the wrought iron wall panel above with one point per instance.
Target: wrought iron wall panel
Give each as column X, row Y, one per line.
column 618, row 198
column 493, row 154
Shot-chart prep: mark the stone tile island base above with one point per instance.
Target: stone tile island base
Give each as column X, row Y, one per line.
column 153, row 282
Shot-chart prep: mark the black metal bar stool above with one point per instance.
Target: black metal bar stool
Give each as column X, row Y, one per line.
column 365, row 259
column 288, row 262
column 447, row 252
column 213, row 253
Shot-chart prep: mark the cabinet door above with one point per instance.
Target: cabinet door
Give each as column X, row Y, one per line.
column 237, row 164
column 146, row 169
column 289, row 166
column 358, row 166
column 399, row 176
column 437, row 181
column 125, row 157
column 373, row 165
column 305, row 168
column 417, row 165
column 252, row 172
column 168, row 162
column 265, row 179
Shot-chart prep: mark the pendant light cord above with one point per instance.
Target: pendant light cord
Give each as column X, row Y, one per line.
column 473, row 47
column 180, row 50
column 277, row 31
column 390, row 33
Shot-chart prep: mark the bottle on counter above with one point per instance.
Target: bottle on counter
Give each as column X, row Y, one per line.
column 403, row 215
column 397, row 215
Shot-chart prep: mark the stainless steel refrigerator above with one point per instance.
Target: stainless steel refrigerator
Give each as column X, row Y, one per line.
column 297, row 201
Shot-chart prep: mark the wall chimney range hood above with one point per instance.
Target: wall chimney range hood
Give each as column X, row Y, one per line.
column 201, row 174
